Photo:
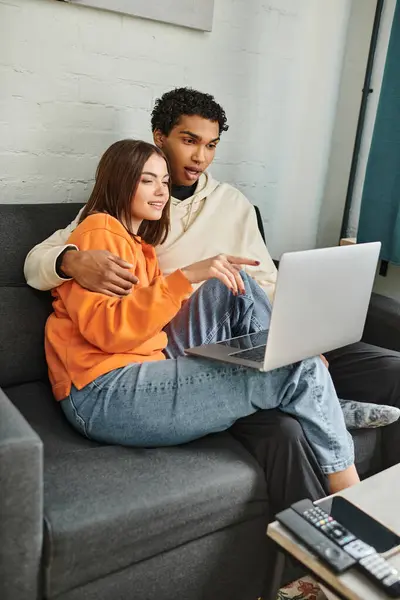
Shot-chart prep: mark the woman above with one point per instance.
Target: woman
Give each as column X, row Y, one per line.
column 106, row 355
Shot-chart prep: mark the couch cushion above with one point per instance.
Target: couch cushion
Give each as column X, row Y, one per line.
column 23, row 311
column 107, row 507
column 22, row 226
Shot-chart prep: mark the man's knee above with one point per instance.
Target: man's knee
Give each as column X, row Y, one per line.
column 389, row 377
column 269, row 427
column 288, row 429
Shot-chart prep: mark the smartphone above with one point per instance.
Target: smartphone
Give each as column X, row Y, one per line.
column 360, row 524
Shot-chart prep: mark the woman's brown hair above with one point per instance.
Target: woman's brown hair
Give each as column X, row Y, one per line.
column 117, row 178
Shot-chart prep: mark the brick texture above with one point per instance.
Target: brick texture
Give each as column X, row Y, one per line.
column 74, row 79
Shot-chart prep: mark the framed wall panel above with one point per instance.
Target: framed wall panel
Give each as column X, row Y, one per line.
column 196, row 14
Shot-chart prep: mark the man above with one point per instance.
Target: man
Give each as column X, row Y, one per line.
column 208, row 217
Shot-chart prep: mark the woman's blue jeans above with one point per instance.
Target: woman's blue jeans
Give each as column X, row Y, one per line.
column 177, row 400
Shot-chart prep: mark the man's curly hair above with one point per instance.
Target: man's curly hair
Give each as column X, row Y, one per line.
column 185, row 101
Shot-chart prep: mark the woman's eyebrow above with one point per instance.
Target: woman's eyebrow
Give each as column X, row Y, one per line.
column 153, row 174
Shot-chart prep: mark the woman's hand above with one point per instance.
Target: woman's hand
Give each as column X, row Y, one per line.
column 223, row 267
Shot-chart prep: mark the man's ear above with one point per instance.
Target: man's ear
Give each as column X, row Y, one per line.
column 158, row 138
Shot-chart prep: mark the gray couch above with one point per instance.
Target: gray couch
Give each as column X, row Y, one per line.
column 80, row 520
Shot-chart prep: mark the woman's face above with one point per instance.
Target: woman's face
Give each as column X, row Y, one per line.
column 152, row 193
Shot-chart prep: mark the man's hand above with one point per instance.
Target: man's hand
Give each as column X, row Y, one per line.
column 99, row 271
column 322, row 357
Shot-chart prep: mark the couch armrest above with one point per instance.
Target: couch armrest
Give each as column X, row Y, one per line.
column 382, row 327
column 21, row 505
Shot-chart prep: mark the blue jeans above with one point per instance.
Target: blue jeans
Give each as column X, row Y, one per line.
column 177, row 400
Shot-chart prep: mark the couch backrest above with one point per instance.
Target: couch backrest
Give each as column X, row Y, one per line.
column 23, row 311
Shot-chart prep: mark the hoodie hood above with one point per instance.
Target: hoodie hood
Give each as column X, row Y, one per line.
column 205, row 186
column 187, row 210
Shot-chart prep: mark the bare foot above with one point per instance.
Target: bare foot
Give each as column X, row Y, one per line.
column 343, row 479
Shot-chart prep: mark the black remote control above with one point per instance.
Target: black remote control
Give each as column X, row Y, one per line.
column 328, row 551
column 368, row 560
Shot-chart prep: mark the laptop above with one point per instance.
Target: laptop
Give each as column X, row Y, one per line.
column 321, row 303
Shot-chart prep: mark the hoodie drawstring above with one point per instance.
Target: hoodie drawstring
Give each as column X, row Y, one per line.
column 189, row 213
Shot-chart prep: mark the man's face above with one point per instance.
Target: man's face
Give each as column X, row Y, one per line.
column 189, row 147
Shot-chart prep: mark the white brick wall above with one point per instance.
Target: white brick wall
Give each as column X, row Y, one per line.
column 73, row 80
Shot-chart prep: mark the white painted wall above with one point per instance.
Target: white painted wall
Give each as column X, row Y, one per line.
column 344, row 132
column 73, row 80
column 310, row 120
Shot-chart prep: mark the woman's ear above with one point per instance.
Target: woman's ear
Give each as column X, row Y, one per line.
column 158, row 138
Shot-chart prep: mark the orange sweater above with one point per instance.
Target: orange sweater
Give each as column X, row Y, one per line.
column 90, row 334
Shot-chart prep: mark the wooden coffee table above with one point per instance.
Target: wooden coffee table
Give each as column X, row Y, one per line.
column 379, row 496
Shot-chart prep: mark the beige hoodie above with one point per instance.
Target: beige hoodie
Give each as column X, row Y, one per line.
column 216, row 219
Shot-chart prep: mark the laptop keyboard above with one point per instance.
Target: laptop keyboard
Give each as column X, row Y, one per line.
column 256, row 354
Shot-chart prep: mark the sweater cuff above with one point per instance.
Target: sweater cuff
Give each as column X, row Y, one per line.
column 179, row 286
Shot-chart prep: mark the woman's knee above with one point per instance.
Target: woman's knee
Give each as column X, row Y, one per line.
column 213, row 288
column 217, row 284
